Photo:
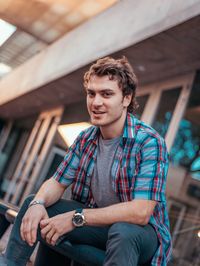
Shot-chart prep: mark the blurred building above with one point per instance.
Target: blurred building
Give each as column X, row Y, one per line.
column 42, row 101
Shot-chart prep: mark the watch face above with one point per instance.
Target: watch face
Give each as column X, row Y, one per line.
column 78, row 219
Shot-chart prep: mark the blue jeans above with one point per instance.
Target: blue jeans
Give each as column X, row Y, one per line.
column 124, row 243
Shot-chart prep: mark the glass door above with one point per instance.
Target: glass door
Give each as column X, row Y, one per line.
column 163, row 105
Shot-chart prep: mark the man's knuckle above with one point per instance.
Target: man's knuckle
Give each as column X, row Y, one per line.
column 55, row 239
column 26, row 219
column 54, row 227
column 56, row 230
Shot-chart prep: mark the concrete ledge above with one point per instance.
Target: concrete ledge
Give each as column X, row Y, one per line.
column 122, row 25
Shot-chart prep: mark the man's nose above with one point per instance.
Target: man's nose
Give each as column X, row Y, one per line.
column 97, row 100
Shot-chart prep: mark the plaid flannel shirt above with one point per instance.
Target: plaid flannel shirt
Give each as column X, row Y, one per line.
column 139, row 171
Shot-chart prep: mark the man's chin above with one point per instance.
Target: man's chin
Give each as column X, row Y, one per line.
column 97, row 123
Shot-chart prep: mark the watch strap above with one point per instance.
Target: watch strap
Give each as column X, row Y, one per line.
column 36, row 202
column 79, row 210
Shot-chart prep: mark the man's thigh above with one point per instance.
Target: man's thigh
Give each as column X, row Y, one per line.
column 143, row 238
column 90, row 235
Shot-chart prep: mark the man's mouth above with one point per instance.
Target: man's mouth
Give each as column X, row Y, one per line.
column 98, row 112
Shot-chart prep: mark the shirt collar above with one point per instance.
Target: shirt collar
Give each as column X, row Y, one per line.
column 94, row 134
column 129, row 129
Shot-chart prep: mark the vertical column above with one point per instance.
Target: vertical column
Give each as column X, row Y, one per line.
column 5, row 134
column 34, row 154
column 179, row 111
column 22, row 162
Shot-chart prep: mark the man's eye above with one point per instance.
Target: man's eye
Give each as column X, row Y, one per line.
column 107, row 94
column 90, row 93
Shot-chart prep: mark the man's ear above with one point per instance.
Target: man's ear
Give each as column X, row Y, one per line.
column 127, row 100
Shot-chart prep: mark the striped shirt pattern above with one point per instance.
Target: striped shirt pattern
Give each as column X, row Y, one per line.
column 139, row 171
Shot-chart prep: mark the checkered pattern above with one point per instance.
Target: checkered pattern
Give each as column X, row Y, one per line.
column 139, row 171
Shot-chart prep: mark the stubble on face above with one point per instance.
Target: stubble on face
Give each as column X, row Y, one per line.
column 105, row 102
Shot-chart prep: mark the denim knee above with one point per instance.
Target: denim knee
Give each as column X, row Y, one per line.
column 27, row 201
column 29, row 198
column 125, row 232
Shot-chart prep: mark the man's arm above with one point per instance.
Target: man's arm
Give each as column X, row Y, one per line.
column 136, row 211
column 49, row 193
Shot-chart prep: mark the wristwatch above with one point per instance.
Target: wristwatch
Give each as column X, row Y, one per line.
column 78, row 218
column 35, row 202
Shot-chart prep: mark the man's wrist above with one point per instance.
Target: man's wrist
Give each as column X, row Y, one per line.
column 36, row 202
column 78, row 219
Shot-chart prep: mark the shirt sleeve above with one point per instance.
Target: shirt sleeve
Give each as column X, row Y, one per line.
column 65, row 172
column 150, row 180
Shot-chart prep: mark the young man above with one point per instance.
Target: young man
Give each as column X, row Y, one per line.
column 117, row 169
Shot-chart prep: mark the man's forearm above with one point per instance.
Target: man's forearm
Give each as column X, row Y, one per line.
column 137, row 212
column 50, row 192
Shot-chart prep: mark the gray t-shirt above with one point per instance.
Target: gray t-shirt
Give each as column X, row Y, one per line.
column 101, row 183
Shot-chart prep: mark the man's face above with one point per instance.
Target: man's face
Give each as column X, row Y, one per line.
column 105, row 101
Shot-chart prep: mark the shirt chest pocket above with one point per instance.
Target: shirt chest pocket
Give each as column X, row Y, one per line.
column 123, row 174
column 126, row 175
column 124, row 183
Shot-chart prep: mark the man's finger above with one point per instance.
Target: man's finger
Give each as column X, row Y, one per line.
column 22, row 231
column 28, row 233
column 49, row 235
column 54, row 239
column 44, row 222
column 34, row 228
column 45, row 230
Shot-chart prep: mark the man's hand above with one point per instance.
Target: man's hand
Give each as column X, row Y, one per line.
column 30, row 223
column 55, row 227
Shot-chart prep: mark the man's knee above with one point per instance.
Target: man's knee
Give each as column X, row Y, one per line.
column 125, row 232
column 27, row 201
column 29, row 198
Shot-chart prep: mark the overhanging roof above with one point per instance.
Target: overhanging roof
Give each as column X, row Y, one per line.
column 45, row 82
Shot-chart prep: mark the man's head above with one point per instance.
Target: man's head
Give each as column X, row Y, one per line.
column 119, row 70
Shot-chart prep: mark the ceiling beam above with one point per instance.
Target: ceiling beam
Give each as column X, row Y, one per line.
column 124, row 24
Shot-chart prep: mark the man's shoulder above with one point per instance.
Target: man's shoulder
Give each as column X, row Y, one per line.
column 149, row 139
column 89, row 132
column 145, row 132
column 87, row 135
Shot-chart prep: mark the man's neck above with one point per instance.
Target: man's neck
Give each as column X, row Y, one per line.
column 114, row 130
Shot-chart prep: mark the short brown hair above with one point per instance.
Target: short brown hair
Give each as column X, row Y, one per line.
column 116, row 69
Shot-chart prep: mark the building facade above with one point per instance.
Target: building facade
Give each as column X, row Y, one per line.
column 161, row 40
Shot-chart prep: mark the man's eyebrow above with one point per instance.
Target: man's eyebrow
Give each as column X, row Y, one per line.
column 101, row 90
